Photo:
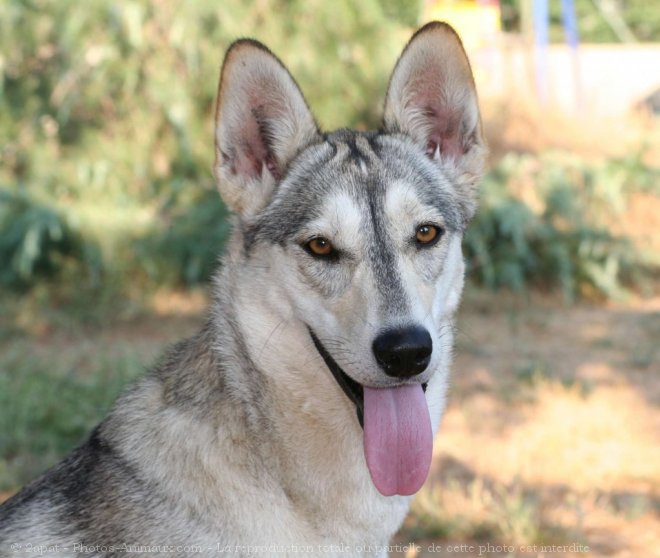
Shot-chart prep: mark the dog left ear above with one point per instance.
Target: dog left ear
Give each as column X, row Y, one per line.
column 432, row 98
column 262, row 122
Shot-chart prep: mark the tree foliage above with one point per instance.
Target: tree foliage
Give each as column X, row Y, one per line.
column 106, row 112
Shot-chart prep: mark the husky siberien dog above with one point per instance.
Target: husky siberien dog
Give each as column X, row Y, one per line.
column 300, row 419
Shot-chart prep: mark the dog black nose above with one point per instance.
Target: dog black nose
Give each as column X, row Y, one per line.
column 404, row 352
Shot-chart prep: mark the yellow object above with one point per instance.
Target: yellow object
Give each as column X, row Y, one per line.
column 475, row 22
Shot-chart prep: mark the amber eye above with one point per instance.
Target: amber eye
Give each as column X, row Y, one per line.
column 320, row 246
column 427, row 235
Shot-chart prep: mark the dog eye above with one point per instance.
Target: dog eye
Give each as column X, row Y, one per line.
column 320, row 247
column 427, row 235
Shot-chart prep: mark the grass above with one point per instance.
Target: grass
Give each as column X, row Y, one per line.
column 549, row 438
column 50, row 402
column 533, row 481
column 476, row 512
column 64, row 358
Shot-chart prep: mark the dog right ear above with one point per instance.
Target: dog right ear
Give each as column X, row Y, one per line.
column 262, row 121
column 432, row 98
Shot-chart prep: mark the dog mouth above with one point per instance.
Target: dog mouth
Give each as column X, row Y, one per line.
column 353, row 390
column 398, row 436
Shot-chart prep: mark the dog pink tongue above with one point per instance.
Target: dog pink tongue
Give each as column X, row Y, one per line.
column 398, row 438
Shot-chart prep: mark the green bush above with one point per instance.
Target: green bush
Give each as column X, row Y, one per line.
column 106, row 111
column 36, row 243
column 106, row 143
column 186, row 248
column 566, row 242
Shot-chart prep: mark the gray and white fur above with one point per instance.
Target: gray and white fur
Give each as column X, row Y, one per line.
column 241, row 440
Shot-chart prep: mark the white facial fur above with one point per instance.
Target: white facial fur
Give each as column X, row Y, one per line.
column 341, row 300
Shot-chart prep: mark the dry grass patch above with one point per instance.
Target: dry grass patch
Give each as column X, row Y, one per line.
column 551, row 434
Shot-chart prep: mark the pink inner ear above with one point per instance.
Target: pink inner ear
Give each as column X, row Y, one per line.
column 251, row 153
column 445, row 131
column 444, row 121
column 272, row 167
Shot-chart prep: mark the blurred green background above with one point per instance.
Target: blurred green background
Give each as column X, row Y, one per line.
column 108, row 206
column 106, row 144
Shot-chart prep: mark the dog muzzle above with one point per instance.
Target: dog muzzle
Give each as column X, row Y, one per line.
column 398, row 437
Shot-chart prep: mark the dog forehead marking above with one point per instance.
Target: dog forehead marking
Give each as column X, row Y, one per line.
column 401, row 201
column 342, row 218
column 405, row 205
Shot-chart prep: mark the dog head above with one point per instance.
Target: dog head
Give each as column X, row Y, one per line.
column 361, row 230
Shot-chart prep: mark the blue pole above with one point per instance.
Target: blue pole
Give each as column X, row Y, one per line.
column 570, row 23
column 541, row 21
column 572, row 40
